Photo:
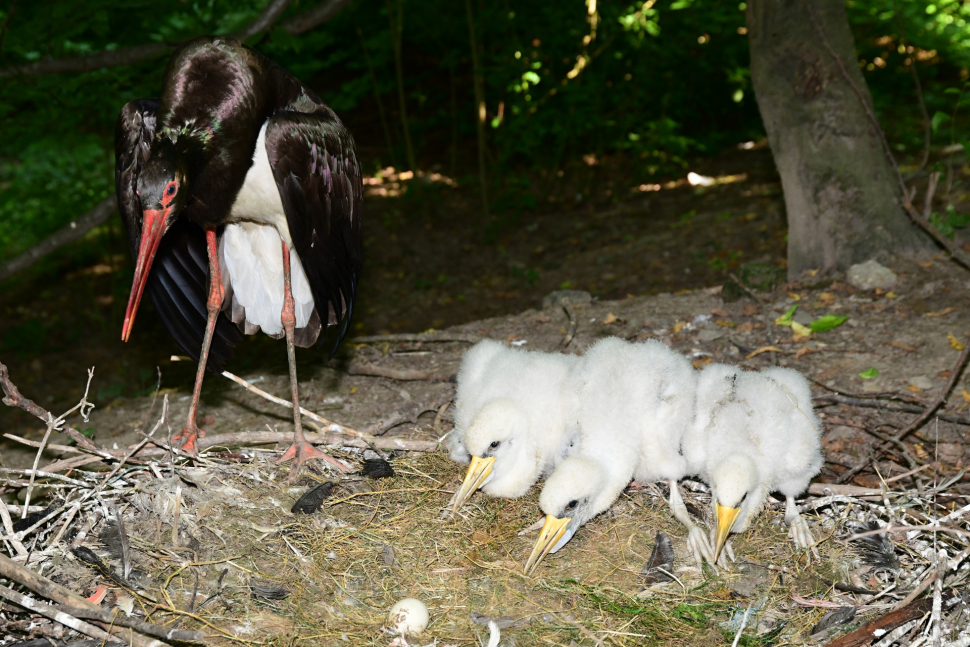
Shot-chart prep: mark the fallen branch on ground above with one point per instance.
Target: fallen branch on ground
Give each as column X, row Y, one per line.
column 61, row 595
column 408, row 413
column 827, row 400
column 424, row 337
column 867, row 632
column 403, row 374
column 329, row 424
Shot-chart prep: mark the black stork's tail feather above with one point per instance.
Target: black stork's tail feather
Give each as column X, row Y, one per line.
column 179, row 289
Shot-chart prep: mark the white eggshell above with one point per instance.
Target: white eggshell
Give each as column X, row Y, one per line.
column 409, row 617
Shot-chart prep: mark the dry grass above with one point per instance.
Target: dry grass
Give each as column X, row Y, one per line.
column 342, row 577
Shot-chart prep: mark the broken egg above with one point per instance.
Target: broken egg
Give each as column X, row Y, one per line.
column 408, row 617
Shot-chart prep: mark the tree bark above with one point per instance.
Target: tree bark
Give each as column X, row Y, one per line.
column 842, row 198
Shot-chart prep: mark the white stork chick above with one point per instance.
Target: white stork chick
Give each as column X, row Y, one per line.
column 754, row 433
column 635, row 401
column 512, row 416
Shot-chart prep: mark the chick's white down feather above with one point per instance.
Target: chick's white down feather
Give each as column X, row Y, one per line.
column 754, row 433
column 517, row 398
column 635, row 401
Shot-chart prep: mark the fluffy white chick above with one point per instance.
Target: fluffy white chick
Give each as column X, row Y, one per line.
column 512, row 416
column 635, row 401
column 754, row 433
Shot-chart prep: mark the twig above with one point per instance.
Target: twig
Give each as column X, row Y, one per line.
column 744, row 622
column 136, row 624
column 395, row 373
column 8, row 528
column 437, row 419
column 329, row 424
column 13, row 398
column 764, row 311
column 915, row 593
column 54, row 614
column 930, row 190
column 954, row 376
column 264, row 21
column 914, row 215
column 53, row 591
column 864, row 634
column 567, row 307
column 893, row 527
column 827, row 400
column 428, row 337
column 408, row 413
column 936, row 616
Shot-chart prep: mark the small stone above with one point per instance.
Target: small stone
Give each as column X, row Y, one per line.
column 710, row 334
column 555, row 298
column 921, row 382
column 870, row 275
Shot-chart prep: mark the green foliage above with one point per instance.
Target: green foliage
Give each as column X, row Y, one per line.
column 828, row 322
column 949, row 221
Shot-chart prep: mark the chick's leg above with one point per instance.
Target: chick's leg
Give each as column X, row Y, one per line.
column 798, row 529
column 697, row 541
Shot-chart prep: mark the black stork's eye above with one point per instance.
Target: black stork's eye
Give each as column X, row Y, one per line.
column 572, row 505
column 494, row 444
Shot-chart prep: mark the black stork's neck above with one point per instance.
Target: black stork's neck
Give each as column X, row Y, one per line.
column 216, row 96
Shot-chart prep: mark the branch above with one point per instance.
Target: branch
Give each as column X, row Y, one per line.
column 112, row 58
column 131, row 55
column 313, row 17
column 74, row 231
column 264, row 21
column 864, row 634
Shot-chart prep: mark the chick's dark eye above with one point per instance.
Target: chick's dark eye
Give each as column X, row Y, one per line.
column 745, row 496
column 572, row 504
column 170, row 190
column 494, row 444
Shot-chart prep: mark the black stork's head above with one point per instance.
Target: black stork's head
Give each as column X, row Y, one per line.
column 162, row 191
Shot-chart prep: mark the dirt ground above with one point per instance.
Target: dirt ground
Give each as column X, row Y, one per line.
column 377, row 541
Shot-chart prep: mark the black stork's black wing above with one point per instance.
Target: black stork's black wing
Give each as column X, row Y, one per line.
column 178, row 283
column 316, row 169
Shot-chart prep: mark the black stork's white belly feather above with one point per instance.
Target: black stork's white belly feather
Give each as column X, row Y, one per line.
column 250, row 253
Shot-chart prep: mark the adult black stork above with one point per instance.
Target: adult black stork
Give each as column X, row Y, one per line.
column 241, row 194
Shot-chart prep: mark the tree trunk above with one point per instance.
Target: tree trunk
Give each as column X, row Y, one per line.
column 841, row 193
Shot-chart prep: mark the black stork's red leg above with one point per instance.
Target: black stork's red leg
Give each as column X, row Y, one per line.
column 217, row 293
column 300, row 451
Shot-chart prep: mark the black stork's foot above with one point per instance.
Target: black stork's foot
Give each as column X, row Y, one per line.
column 189, row 437
column 301, row 451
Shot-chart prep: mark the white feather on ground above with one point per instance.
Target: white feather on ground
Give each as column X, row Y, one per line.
column 514, row 398
column 635, row 401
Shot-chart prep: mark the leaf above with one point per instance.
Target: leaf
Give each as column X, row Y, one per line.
column 903, row 346
column 677, row 326
column 941, row 313
column 804, row 350
column 724, row 323
column 800, row 330
column 785, row 319
column 702, row 362
column 828, row 322
column 763, row 349
column 869, row 374
column 955, row 343
column 938, row 119
column 965, row 394
column 610, row 318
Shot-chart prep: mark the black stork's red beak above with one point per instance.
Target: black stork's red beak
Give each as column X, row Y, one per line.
column 152, row 230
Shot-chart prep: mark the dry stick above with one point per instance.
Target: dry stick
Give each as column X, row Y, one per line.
column 930, row 190
column 52, row 446
column 54, row 614
column 864, row 634
column 396, row 373
column 52, row 424
column 935, row 617
column 827, row 400
column 573, row 324
column 267, row 437
column 914, row 215
column 764, row 310
column 424, row 337
column 8, row 528
column 133, row 623
column 13, row 398
column 53, row 591
column 954, row 377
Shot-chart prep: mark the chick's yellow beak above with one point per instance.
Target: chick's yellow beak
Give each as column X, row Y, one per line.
column 552, row 531
column 478, row 470
column 725, row 521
